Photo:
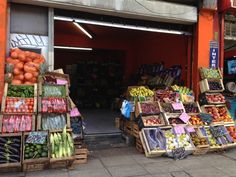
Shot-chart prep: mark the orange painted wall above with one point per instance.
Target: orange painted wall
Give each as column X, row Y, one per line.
column 3, row 42
column 204, row 34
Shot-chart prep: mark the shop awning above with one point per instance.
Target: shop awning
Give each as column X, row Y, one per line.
column 136, row 9
column 229, row 5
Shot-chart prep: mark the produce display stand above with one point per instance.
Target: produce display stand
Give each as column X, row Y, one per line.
column 62, row 162
column 205, row 73
column 135, row 130
column 146, row 119
column 15, row 165
column 36, row 164
column 33, row 121
column 63, row 87
column 39, row 121
column 4, row 102
column 196, row 105
column 139, row 111
column 6, row 87
column 138, row 145
column 204, row 85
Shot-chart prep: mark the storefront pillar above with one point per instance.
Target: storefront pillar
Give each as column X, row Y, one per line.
column 3, row 42
column 204, row 34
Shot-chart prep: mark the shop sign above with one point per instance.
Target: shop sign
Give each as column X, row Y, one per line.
column 214, row 54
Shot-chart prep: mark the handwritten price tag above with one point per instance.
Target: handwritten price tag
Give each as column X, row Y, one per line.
column 190, row 129
column 61, row 82
column 179, row 129
column 75, row 112
column 184, row 117
column 177, row 106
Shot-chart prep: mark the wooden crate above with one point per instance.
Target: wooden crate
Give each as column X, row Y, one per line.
column 172, row 115
column 33, row 122
column 56, row 75
column 207, row 94
column 117, row 122
column 139, row 145
column 202, row 149
column 65, row 162
column 196, row 104
column 173, row 111
column 7, row 85
column 128, row 127
column 204, row 85
column 16, row 165
column 138, row 108
column 219, row 105
column 68, row 106
column 81, row 156
column 39, row 121
column 135, row 130
column 65, row 87
column 35, row 164
column 203, row 76
column 147, row 151
column 3, row 106
column 160, row 117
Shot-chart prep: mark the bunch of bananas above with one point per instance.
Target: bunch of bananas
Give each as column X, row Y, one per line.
column 141, row 91
column 61, row 144
column 181, row 89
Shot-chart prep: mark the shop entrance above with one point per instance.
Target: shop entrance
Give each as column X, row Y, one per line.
column 103, row 65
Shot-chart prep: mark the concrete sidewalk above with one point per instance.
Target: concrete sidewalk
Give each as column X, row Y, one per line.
column 127, row 162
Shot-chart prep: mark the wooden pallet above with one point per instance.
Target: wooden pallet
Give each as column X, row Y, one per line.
column 81, row 156
column 128, row 128
column 135, row 130
column 139, row 146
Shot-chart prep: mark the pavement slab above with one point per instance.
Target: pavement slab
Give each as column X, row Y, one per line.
column 161, row 167
column 206, row 172
column 127, row 171
column 90, row 173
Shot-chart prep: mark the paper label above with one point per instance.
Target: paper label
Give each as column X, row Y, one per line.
column 190, row 129
column 177, row 106
column 179, row 129
column 184, row 117
column 61, row 82
column 75, row 112
column 18, row 104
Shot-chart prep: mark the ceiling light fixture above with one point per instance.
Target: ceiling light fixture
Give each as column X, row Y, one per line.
column 116, row 25
column 83, row 30
column 72, row 48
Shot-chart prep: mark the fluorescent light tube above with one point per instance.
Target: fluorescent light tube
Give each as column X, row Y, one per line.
column 116, row 25
column 72, row 48
column 83, row 30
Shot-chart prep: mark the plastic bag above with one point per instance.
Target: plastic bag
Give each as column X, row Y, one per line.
column 126, row 109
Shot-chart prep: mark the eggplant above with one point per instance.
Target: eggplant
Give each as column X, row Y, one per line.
column 3, row 161
column 16, row 140
column 13, row 149
column 3, row 140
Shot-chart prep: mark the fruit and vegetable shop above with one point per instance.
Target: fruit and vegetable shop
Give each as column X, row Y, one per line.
column 76, row 81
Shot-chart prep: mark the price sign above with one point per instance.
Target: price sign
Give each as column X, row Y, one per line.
column 179, row 129
column 75, row 112
column 190, row 129
column 177, row 106
column 61, row 82
column 206, row 117
column 184, row 117
column 179, row 153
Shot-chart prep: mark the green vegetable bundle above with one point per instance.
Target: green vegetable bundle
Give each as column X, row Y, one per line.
column 35, row 151
column 23, row 91
column 54, row 91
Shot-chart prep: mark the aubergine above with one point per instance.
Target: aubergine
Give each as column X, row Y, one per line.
column 13, row 150
column 3, row 140
column 16, row 140
column 3, row 161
